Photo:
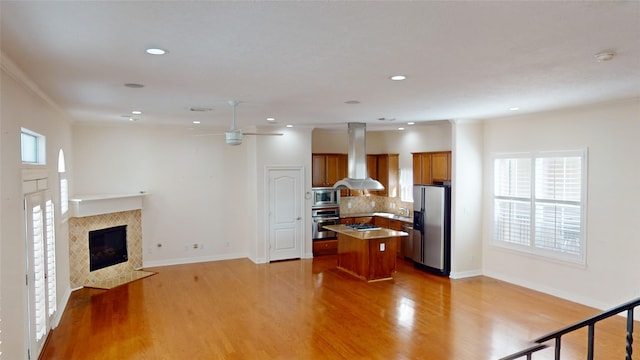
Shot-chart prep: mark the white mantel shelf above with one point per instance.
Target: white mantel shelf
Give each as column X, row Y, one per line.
column 99, row 204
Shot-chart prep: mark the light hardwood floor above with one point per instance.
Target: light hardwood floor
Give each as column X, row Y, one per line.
column 307, row 309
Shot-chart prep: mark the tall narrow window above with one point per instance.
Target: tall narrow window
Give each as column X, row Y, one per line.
column 406, row 184
column 64, row 186
column 539, row 204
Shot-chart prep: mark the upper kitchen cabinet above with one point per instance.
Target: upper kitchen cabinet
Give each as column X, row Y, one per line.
column 385, row 169
column 328, row 169
column 386, row 172
column 431, row 167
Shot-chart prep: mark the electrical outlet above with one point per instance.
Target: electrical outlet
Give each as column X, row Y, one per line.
column 382, row 246
column 226, row 244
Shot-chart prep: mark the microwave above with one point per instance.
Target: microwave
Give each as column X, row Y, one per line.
column 325, row 197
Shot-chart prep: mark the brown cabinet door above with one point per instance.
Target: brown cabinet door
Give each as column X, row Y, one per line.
column 440, row 166
column 318, row 172
column 327, row 169
column 395, row 224
column 333, row 169
column 381, row 222
column 422, row 168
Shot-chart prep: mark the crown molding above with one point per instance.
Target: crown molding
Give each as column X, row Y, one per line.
column 9, row 67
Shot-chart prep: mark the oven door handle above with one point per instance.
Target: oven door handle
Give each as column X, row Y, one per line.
column 326, row 219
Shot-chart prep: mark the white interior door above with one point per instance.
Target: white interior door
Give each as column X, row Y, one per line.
column 285, row 213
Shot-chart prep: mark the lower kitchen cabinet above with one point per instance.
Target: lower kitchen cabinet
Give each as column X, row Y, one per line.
column 325, row 247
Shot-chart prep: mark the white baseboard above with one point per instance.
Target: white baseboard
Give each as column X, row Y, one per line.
column 192, row 260
column 465, row 274
column 61, row 307
column 550, row 291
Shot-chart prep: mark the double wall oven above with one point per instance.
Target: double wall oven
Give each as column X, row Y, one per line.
column 325, row 210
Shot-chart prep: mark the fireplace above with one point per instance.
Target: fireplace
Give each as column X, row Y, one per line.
column 107, row 247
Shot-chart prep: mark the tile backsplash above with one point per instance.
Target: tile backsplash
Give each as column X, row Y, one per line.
column 372, row 203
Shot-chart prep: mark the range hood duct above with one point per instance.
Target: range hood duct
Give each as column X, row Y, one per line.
column 357, row 161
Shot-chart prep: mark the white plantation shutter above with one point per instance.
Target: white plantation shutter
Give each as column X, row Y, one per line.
column 51, row 259
column 558, row 204
column 41, row 276
column 512, row 202
column 38, row 266
column 539, row 203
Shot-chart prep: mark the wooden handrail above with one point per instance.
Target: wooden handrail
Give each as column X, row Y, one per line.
column 589, row 322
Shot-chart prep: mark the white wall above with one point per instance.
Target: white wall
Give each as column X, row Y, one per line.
column 293, row 149
column 610, row 132
column 198, row 187
column 23, row 105
column 466, row 202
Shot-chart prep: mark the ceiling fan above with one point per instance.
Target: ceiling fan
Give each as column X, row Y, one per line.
column 234, row 135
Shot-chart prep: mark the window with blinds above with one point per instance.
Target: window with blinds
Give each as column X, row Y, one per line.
column 539, row 203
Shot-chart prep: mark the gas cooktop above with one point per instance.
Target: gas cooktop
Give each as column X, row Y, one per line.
column 363, row 227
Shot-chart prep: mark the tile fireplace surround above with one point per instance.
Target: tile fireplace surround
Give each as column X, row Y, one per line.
column 100, row 212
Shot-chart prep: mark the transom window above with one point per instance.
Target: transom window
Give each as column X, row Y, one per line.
column 33, row 147
column 539, row 203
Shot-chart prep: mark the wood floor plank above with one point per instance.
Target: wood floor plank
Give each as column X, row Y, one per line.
column 308, row 309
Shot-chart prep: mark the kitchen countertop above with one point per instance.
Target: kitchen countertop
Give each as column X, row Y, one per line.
column 365, row 235
column 381, row 214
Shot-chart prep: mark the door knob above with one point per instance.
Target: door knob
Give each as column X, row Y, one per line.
column 298, row 218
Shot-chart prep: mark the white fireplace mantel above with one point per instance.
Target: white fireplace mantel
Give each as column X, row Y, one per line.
column 98, row 204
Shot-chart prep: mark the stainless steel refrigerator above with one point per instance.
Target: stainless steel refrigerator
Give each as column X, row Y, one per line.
column 432, row 228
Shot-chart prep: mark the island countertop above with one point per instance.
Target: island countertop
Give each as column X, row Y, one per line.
column 367, row 234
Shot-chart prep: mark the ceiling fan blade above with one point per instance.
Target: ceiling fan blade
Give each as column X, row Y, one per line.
column 208, row 134
column 273, row 134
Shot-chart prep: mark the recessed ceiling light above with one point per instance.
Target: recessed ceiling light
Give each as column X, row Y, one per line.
column 134, row 85
column 352, row 102
column 411, row 123
column 515, row 108
column 271, row 119
column 289, row 125
column 400, row 128
column 196, row 122
column 133, row 119
column 398, row 77
column 136, row 112
column 156, row 51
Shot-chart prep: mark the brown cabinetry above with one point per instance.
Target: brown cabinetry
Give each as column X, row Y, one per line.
column 431, row 167
column 385, row 169
column 325, row 247
column 327, row 169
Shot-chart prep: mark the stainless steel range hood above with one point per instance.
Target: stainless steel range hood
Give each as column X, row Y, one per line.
column 357, row 161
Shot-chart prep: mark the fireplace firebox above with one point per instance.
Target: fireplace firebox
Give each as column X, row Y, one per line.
column 107, row 247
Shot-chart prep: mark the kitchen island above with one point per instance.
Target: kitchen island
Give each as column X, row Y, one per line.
column 369, row 254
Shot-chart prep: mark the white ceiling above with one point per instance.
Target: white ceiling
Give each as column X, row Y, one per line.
column 300, row 61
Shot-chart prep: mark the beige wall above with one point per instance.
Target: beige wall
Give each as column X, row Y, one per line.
column 23, row 105
column 610, row 133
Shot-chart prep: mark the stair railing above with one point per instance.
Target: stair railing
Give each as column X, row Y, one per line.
column 539, row 343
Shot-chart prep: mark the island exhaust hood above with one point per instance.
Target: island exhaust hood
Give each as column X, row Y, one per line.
column 357, row 162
